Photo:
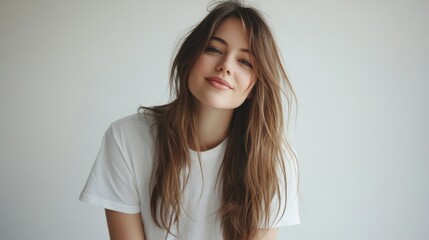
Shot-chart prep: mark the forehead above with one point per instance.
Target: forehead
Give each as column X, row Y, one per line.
column 232, row 30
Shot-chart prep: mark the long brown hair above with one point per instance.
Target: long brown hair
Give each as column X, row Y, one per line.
column 254, row 162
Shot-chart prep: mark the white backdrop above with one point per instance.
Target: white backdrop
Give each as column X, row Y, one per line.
column 360, row 70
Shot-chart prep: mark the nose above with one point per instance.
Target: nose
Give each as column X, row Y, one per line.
column 224, row 66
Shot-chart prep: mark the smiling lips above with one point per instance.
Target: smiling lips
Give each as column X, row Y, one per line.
column 218, row 83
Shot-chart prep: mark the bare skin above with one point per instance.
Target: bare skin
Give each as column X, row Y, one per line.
column 212, row 125
column 124, row 226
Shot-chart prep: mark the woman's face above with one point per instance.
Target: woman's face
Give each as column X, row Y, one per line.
column 222, row 76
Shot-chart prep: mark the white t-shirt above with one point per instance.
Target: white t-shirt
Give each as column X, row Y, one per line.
column 120, row 177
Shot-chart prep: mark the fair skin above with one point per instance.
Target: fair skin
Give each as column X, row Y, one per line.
column 220, row 81
column 124, row 226
column 226, row 57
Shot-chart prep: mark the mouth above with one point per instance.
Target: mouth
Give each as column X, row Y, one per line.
column 218, row 82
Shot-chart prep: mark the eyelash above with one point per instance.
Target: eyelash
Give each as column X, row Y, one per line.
column 245, row 62
column 217, row 51
column 213, row 50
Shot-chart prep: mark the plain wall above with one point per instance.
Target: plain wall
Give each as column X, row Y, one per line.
column 360, row 70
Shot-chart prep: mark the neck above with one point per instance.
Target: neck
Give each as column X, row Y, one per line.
column 212, row 125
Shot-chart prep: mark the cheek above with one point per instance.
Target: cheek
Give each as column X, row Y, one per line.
column 246, row 81
column 197, row 72
column 202, row 63
column 196, row 69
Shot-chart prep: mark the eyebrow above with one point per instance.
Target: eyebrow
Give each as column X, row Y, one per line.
column 218, row 39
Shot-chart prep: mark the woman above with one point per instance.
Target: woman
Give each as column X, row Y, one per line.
column 214, row 163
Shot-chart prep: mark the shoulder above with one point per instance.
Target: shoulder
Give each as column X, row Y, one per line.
column 137, row 122
column 132, row 129
column 139, row 119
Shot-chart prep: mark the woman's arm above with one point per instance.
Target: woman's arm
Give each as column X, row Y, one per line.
column 124, row 226
column 267, row 234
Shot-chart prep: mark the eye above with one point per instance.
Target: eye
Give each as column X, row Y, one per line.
column 213, row 50
column 246, row 63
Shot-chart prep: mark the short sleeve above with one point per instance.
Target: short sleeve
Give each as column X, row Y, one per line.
column 111, row 183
